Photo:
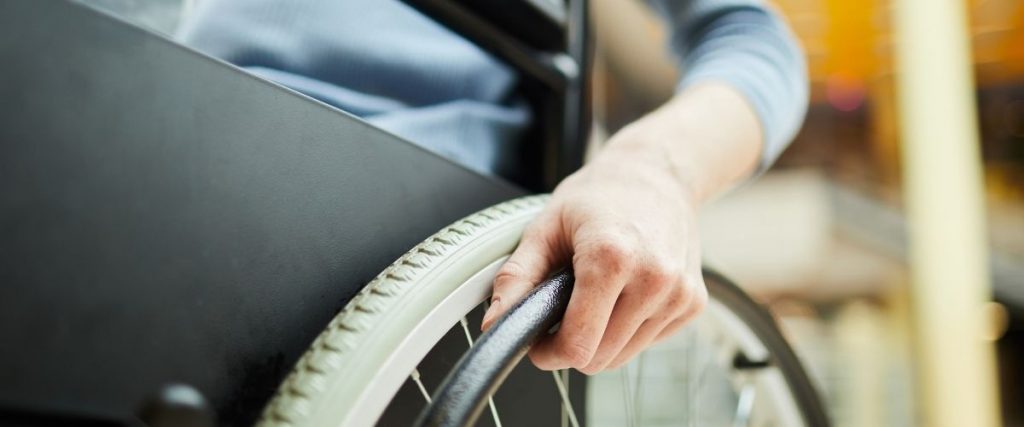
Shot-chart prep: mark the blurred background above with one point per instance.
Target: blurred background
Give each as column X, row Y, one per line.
column 821, row 238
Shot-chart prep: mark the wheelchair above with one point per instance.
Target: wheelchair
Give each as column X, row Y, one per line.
column 186, row 244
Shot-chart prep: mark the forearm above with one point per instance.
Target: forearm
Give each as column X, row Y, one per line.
column 627, row 223
column 627, row 220
column 743, row 44
column 707, row 138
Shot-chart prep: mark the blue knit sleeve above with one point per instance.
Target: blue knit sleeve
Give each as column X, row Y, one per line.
column 748, row 46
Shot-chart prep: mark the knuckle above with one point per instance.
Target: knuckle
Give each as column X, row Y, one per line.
column 677, row 301
column 613, row 255
column 659, row 278
column 695, row 301
column 656, row 289
column 665, row 273
column 572, row 350
column 509, row 273
column 612, row 249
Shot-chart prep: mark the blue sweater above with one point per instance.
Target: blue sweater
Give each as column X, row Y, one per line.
column 385, row 62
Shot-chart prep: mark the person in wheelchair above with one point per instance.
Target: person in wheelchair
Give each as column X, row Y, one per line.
column 627, row 220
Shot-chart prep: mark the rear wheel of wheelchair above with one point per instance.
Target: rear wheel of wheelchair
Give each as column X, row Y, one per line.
column 379, row 360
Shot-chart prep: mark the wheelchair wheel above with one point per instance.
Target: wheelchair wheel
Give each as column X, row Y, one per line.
column 730, row 367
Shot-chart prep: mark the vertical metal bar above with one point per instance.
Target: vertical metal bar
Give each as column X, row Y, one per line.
column 943, row 191
column 576, row 113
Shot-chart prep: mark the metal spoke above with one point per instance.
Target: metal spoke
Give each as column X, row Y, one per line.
column 564, row 375
column 627, row 398
column 465, row 329
column 638, row 390
column 745, row 406
column 416, row 378
column 566, row 403
column 490, row 399
column 694, row 377
column 706, row 361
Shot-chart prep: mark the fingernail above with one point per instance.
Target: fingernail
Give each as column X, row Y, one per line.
column 491, row 312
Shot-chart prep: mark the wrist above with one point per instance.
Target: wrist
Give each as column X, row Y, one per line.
column 707, row 138
column 643, row 164
column 647, row 151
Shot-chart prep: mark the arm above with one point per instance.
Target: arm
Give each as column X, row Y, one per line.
column 627, row 220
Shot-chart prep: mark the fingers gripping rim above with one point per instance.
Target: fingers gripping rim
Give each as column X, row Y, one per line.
column 332, row 355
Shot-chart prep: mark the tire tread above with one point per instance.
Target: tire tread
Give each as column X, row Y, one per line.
column 294, row 399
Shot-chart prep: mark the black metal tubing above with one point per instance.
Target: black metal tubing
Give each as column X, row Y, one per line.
column 763, row 325
column 577, row 111
column 463, row 394
column 538, row 24
column 561, row 69
column 533, row 63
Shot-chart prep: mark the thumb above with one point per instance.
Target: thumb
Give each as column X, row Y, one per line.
column 529, row 264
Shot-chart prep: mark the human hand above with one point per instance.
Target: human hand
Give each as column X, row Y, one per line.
column 627, row 224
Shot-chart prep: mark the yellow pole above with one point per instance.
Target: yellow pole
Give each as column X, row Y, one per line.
column 943, row 191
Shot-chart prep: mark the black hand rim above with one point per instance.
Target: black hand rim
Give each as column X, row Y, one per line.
column 463, row 395
column 478, row 374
